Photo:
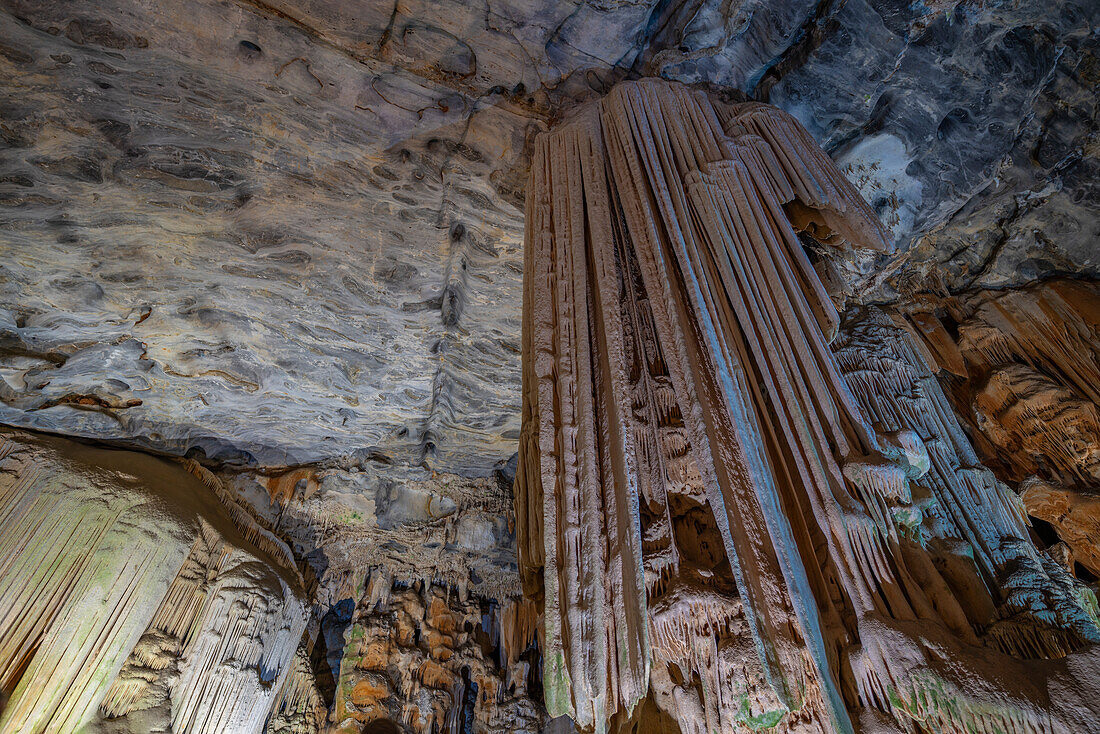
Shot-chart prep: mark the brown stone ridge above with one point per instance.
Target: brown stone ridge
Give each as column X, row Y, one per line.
column 426, row 658
column 1022, row 367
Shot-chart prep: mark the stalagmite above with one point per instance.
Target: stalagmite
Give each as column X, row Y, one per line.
column 706, row 517
column 418, row 655
column 129, row 595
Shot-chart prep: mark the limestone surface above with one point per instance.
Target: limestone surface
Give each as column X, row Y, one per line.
column 133, row 598
column 707, row 519
column 282, row 242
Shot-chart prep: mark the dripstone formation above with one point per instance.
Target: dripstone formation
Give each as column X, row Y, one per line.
column 134, row 598
column 554, row 367
column 721, row 520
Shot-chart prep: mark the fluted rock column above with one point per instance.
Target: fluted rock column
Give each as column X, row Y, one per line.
column 704, row 513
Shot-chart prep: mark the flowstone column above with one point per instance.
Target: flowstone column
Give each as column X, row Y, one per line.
column 710, row 524
column 134, row 599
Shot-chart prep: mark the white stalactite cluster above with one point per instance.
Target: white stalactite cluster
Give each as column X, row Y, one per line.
column 130, row 599
column 973, row 525
column 300, row 709
column 704, row 512
column 1021, row 368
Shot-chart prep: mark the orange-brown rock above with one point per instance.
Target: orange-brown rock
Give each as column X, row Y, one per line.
column 1074, row 515
column 398, row 666
column 1034, row 363
column 377, row 654
column 370, row 690
column 434, row 675
column 1039, row 425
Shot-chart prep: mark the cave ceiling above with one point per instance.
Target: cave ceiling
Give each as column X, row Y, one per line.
column 282, row 233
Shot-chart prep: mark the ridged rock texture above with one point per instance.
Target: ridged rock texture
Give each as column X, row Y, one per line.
column 133, row 600
column 1022, row 369
column 427, row 658
column 282, row 245
column 705, row 515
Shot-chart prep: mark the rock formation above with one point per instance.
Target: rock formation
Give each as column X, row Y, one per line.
column 133, row 599
column 1021, row 368
column 435, row 662
column 1034, row 378
column 418, row 621
column 705, row 514
column 280, row 247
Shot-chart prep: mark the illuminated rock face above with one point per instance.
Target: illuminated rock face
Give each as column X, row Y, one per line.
column 705, row 515
column 284, row 238
column 1034, row 389
column 134, row 599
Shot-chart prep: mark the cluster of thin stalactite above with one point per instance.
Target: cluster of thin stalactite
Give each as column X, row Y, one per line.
column 132, row 600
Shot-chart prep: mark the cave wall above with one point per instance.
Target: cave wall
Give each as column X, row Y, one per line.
column 317, row 209
column 284, row 241
column 247, row 218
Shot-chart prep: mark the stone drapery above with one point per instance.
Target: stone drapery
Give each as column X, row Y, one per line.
column 703, row 511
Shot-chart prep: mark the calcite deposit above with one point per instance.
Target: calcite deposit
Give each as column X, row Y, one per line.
column 814, row 445
column 435, row 662
column 133, row 598
column 705, row 513
column 1021, row 368
column 1034, row 377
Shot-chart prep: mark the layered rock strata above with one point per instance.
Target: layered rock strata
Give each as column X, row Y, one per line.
column 706, row 517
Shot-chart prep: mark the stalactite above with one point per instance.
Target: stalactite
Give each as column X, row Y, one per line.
column 1039, row 424
column 1023, row 369
column 883, row 363
column 125, row 589
column 697, row 481
column 299, row 708
column 1051, row 327
column 253, row 532
column 518, row 626
column 418, row 653
column 1074, row 514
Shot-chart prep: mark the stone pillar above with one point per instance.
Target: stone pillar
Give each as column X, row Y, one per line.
column 705, row 514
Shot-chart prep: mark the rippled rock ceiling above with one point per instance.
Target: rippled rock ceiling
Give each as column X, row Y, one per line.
column 284, row 242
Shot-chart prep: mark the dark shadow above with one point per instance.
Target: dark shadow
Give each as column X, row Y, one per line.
column 328, row 651
column 467, row 703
